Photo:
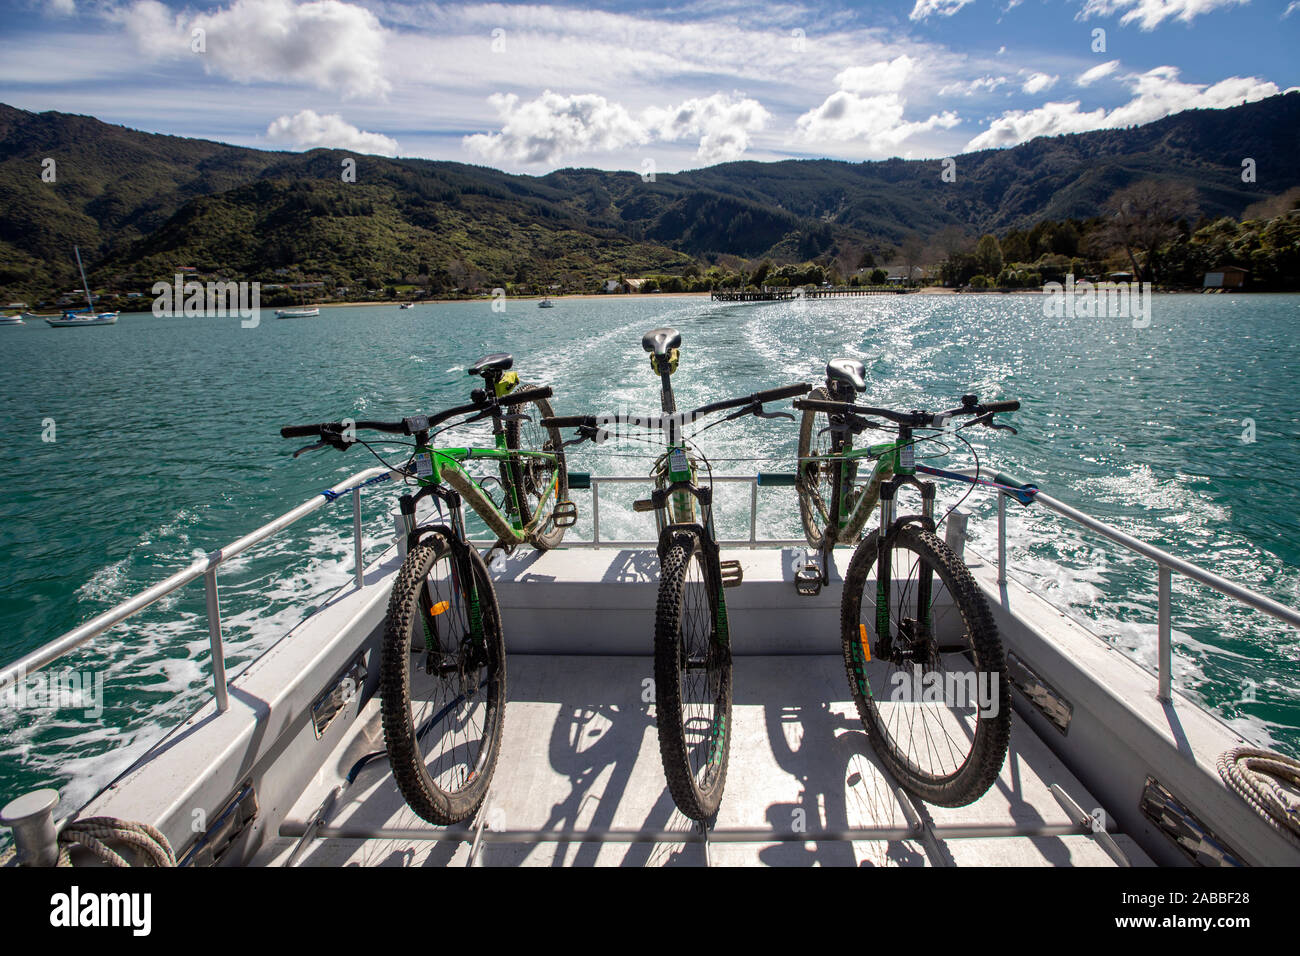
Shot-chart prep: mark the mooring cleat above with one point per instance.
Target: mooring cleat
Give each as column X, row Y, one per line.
column 733, row 575
column 808, row 580
column 565, row 514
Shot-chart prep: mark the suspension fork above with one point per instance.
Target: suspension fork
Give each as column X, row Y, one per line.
column 464, row 581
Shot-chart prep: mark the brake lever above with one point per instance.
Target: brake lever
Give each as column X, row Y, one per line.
column 585, row 433
column 762, row 414
column 307, row 448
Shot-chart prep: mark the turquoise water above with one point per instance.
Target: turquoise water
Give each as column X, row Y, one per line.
column 166, row 445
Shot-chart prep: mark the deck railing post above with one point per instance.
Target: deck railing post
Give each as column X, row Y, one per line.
column 753, row 512
column 1002, row 538
column 1164, row 641
column 595, row 510
column 356, row 538
column 214, row 636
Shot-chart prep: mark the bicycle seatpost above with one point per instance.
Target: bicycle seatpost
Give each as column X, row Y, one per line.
column 663, row 345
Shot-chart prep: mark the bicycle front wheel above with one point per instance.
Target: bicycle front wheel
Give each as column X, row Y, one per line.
column 926, row 667
column 538, row 482
column 820, row 469
column 692, row 679
column 443, row 681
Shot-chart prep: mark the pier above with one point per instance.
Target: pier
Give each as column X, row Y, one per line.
column 780, row 295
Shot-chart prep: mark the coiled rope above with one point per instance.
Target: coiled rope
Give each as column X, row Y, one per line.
column 151, row 846
column 1258, row 777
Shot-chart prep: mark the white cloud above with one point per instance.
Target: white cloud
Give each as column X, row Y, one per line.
column 1156, row 94
column 1038, row 82
column 723, row 124
column 868, row 109
column 1291, row 8
column 328, row 44
column 983, row 84
column 553, row 126
column 310, row 129
column 1149, row 14
column 938, row 8
column 1101, row 71
column 62, row 8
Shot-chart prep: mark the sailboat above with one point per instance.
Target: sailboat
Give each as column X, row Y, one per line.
column 86, row 316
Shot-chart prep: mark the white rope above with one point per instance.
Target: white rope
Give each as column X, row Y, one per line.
column 93, row 833
column 1270, row 783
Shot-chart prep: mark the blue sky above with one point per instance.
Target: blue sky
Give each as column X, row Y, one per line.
column 532, row 87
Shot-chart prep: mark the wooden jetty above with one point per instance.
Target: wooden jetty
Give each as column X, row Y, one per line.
column 780, row 295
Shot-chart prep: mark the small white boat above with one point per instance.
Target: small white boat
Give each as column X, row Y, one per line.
column 11, row 320
column 296, row 313
column 546, row 304
column 76, row 318
column 73, row 320
column 407, row 305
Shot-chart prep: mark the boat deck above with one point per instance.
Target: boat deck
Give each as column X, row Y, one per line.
column 580, row 757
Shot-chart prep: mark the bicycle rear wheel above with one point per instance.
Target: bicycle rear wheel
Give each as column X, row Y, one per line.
column 819, row 468
column 443, row 681
column 926, row 668
column 692, row 679
column 533, row 477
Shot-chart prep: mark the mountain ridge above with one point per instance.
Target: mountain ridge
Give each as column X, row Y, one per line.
column 140, row 204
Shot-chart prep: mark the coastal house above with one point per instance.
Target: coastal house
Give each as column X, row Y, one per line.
column 1225, row 277
column 614, row 285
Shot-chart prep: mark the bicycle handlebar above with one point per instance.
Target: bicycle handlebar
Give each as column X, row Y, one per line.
column 916, row 419
column 410, row 426
column 757, row 398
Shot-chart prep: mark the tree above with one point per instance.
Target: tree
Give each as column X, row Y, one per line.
column 1141, row 217
column 988, row 255
column 912, row 249
column 878, row 276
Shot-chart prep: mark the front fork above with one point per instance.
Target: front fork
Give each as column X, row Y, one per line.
column 463, row 579
column 916, row 630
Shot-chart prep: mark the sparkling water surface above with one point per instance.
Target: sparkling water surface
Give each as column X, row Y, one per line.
column 1185, row 433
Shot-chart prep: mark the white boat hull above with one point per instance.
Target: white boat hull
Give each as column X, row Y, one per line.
column 75, row 322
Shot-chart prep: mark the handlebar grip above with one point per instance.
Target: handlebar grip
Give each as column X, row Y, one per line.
column 568, row 421
column 1010, row 405
column 526, row 395
column 788, row 391
column 820, row 405
column 300, row 431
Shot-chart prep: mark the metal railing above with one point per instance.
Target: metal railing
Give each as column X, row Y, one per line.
column 753, row 541
column 1166, row 564
column 206, row 568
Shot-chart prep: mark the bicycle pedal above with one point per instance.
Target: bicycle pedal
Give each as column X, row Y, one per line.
column 733, row 575
column 565, row 514
column 808, row 580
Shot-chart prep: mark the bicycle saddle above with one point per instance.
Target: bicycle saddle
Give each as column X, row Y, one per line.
column 661, row 341
column 497, row 361
column 849, row 371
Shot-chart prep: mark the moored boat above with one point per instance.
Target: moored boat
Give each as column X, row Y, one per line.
column 296, row 313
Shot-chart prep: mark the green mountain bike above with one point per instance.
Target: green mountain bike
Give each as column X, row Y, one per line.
column 692, row 635
column 443, row 667
column 924, row 660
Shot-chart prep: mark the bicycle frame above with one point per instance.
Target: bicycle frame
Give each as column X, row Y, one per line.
column 439, row 466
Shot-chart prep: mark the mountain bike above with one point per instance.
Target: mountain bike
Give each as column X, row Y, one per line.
column 924, row 660
column 442, row 668
column 692, row 634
